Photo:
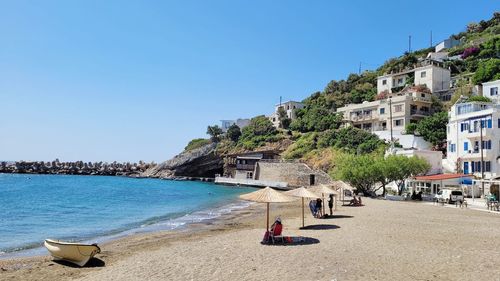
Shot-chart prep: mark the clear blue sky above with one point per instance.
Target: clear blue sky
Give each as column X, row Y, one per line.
column 130, row 80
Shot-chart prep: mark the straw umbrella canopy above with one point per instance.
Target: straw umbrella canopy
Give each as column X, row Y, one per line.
column 343, row 186
column 323, row 189
column 301, row 192
column 267, row 195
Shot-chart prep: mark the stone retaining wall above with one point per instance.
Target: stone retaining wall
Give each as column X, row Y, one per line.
column 295, row 174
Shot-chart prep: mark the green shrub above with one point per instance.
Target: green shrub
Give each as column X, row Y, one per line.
column 196, row 143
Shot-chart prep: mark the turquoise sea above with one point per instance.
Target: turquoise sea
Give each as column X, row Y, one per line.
column 97, row 208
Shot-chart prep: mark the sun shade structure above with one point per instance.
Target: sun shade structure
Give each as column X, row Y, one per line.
column 302, row 193
column 267, row 195
column 342, row 186
column 323, row 189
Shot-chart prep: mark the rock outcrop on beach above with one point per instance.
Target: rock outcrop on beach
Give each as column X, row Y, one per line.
column 199, row 163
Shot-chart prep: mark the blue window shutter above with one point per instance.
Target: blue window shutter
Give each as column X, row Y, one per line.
column 472, row 166
column 489, row 123
column 466, row 146
column 461, row 127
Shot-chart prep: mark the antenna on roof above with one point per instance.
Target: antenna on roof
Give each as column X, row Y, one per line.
column 280, row 100
column 359, row 70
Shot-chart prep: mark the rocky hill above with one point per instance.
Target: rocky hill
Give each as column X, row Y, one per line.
column 202, row 162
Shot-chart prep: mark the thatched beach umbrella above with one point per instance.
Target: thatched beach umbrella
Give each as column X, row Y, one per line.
column 343, row 186
column 302, row 193
column 323, row 189
column 267, row 195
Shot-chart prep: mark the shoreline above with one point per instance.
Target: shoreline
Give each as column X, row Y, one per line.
column 23, row 267
column 179, row 223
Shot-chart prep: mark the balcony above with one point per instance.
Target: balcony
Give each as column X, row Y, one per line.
column 476, row 154
column 422, row 99
column 419, row 113
column 487, row 132
column 363, row 117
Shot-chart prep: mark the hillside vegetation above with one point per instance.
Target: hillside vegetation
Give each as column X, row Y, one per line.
column 316, row 136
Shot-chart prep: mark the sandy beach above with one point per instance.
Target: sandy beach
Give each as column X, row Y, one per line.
column 381, row 241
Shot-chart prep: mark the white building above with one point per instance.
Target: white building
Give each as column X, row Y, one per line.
column 490, row 90
column 290, row 108
column 242, row 123
column 407, row 106
column 469, row 123
column 433, row 157
column 435, row 77
column 446, row 44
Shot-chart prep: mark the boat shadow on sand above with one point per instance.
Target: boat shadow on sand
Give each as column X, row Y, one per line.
column 93, row 262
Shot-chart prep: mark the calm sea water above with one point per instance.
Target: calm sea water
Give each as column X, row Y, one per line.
column 88, row 208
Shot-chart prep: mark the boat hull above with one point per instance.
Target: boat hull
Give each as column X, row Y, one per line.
column 76, row 253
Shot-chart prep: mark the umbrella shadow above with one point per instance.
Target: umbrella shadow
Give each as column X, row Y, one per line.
column 297, row 241
column 337, row 217
column 93, row 262
column 320, row 227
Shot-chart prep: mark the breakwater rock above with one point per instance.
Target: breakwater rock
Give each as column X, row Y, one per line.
column 76, row 168
column 200, row 163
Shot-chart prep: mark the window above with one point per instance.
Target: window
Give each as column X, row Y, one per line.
column 452, row 147
column 466, row 146
column 384, row 82
column 398, row 122
column 400, row 81
column 249, row 175
column 382, row 111
column 488, row 123
column 487, row 166
column 422, row 95
column 494, row 91
column 423, row 74
column 398, row 108
column 486, row 144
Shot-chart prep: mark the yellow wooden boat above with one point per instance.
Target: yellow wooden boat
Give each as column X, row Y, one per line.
column 76, row 253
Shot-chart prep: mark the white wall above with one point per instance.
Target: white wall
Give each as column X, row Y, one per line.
column 490, row 88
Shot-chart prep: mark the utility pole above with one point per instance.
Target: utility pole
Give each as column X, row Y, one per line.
column 390, row 118
column 409, row 44
column 481, row 124
column 280, row 101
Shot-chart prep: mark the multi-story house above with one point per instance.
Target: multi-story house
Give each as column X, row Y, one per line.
column 432, row 75
column 473, row 132
column 290, row 108
column 408, row 106
column 242, row 123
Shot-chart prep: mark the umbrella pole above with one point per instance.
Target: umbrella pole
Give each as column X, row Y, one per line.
column 302, row 211
column 267, row 226
column 323, row 197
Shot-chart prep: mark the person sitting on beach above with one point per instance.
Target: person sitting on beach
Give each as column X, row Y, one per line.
column 319, row 204
column 360, row 203
column 277, row 227
column 354, row 201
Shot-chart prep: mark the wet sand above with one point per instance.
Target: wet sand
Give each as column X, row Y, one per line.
column 382, row 240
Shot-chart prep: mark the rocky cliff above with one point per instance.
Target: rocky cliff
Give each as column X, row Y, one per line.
column 202, row 162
